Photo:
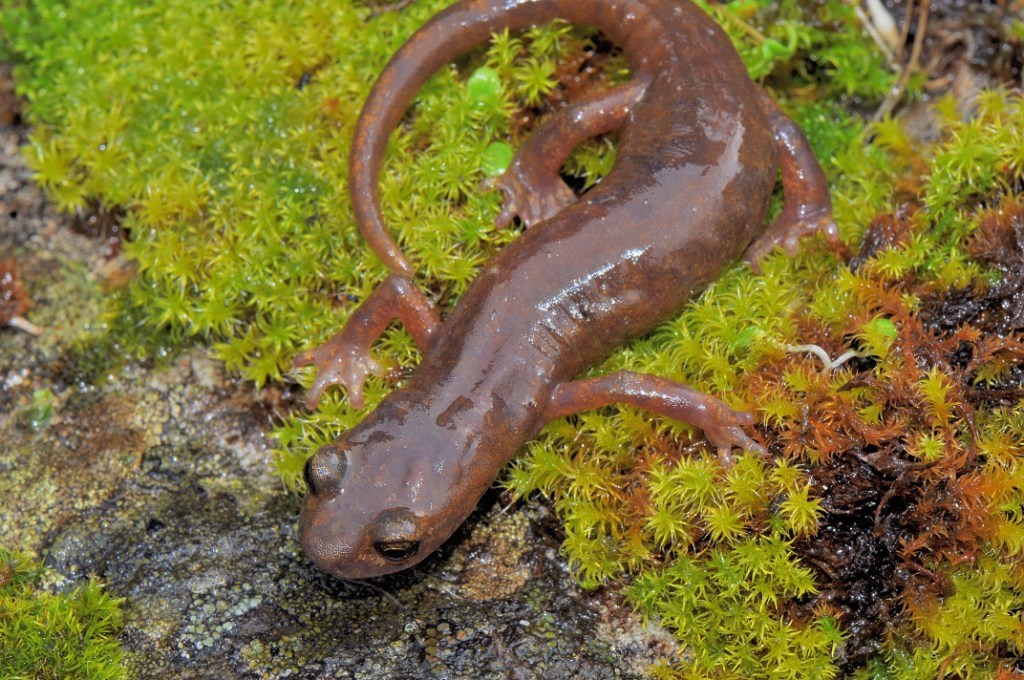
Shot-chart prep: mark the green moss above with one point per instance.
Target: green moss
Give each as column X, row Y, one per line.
column 223, row 129
column 801, row 43
column 47, row 635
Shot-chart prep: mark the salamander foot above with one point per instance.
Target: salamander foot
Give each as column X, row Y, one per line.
column 787, row 230
column 338, row 363
column 725, row 427
column 534, row 197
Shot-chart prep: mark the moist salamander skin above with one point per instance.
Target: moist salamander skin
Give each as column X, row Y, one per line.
column 700, row 149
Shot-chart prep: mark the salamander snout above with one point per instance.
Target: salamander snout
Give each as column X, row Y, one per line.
column 356, row 521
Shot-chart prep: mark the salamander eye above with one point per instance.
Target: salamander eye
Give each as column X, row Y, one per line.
column 307, row 475
column 397, row 551
column 325, row 469
column 394, row 535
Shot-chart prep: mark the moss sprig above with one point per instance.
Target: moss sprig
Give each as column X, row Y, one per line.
column 55, row 635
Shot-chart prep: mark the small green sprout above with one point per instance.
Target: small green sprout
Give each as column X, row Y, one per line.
column 40, row 413
column 496, row 159
column 484, row 86
column 877, row 336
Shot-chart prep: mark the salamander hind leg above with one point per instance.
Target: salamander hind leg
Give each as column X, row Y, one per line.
column 807, row 206
column 723, row 426
column 531, row 186
column 345, row 359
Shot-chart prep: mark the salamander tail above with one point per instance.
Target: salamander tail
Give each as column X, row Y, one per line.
column 448, row 35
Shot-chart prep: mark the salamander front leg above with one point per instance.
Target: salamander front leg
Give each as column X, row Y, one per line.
column 531, row 185
column 807, row 206
column 723, row 426
column 345, row 358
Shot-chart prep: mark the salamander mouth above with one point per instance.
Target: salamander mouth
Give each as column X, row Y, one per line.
column 396, row 551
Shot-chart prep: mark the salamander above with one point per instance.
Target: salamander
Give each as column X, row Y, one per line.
column 700, row 149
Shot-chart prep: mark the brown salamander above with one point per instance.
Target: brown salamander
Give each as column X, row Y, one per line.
column 700, row 149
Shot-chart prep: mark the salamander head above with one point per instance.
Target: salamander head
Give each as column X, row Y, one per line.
column 383, row 496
